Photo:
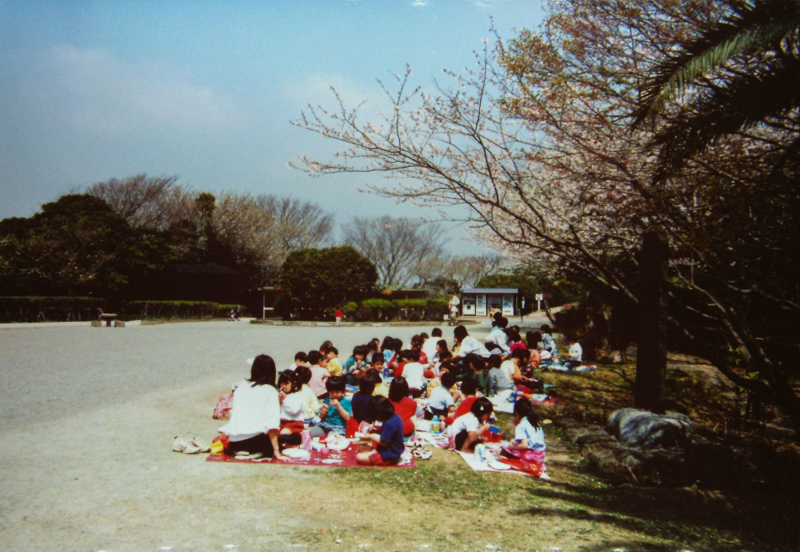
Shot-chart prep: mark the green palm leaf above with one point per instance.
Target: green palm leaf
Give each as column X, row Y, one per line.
column 734, row 104
column 749, row 26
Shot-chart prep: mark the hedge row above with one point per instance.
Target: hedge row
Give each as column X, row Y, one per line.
column 146, row 310
column 48, row 309
column 62, row 309
column 399, row 309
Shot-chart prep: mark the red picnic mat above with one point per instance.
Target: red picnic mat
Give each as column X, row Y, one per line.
column 346, row 458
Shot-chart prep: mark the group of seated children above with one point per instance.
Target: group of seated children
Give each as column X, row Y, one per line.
column 312, row 395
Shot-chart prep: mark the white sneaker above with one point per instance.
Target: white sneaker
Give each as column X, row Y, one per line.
column 201, row 446
column 179, row 444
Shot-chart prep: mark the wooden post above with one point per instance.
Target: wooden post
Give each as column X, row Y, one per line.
column 651, row 355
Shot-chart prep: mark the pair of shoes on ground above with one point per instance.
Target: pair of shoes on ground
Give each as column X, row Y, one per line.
column 192, row 446
column 420, row 451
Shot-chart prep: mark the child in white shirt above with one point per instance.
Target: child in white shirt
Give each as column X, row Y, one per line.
column 469, row 428
column 575, row 352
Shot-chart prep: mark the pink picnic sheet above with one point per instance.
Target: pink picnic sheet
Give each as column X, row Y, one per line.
column 346, row 458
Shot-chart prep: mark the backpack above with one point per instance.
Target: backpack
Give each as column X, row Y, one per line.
column 223, row 409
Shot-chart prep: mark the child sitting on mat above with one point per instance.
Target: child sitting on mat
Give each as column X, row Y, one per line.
column 361, row 398
column 319, row 374
column 255, row 416
column 478, row 366
column 470, row 428
column 291, row 410
column 528, row 444
column 404, row 406
column 389, row 445
column 311, row 406
column 336, row 409
column 380, row 387
column 469, row 390
column 440, row 401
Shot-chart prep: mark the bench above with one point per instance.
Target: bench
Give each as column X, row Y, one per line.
column 110, row 320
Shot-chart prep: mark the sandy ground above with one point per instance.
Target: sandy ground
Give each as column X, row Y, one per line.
column 88, row 418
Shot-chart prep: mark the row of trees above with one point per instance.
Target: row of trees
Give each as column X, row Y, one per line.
column 119, row 238
column 122, row 238
column 569, row 142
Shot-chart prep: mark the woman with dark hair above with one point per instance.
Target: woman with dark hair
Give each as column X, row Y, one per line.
column 256, row 414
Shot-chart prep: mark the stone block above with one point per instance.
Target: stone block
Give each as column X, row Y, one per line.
column 639, row 428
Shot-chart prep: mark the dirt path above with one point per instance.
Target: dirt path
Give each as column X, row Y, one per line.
column 88, row 417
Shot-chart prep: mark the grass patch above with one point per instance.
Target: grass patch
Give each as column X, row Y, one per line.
column 444, row 505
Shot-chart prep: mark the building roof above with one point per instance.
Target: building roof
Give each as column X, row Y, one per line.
column 490, row 290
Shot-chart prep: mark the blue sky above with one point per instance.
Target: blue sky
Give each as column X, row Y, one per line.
column 206, row 90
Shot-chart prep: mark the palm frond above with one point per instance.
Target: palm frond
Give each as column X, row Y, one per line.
column 735, row 104
column 759, row 25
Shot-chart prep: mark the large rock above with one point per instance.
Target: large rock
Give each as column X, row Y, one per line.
column 645, row 430
column 637, row 444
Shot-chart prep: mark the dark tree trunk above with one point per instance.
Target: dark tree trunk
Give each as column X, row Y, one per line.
column 651, row 357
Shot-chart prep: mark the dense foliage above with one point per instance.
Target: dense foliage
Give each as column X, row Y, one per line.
column 74, row 246
column 313, row 280
column 148, row 310
column 150, row 238
column 49, row 309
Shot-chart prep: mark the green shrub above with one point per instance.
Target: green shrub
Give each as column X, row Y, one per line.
column 179, row 309
column 364, row 314
column 350, row 308
column 437, row 308
column 411, row 303
column 422, row 309
column 52, row 309
column 376, row 309
column 378, row 304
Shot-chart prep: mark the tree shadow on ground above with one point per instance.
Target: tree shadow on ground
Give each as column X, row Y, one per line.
column 628, row 546
column 691, row 517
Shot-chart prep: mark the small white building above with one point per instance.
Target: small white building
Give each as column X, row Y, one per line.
column 480, row 301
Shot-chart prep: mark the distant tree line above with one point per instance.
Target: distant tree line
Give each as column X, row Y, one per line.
column 151, row 238
column 126, row 239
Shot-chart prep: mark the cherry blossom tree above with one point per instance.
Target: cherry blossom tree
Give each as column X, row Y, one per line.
column 536, row 140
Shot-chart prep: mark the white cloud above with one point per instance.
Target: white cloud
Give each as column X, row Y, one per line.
column 98, row 92
column 316, row 89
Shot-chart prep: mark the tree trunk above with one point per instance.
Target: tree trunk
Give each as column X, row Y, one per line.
column 651, row 357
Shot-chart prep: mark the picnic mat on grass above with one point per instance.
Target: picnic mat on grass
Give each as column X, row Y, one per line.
column 562, row 368
column 495, row 465
column 439, row 440
column 504, row 402
column 346, row 458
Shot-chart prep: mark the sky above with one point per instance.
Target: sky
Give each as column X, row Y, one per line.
column 207, row 90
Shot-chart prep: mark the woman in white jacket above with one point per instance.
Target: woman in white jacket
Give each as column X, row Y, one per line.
column 256, row 413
